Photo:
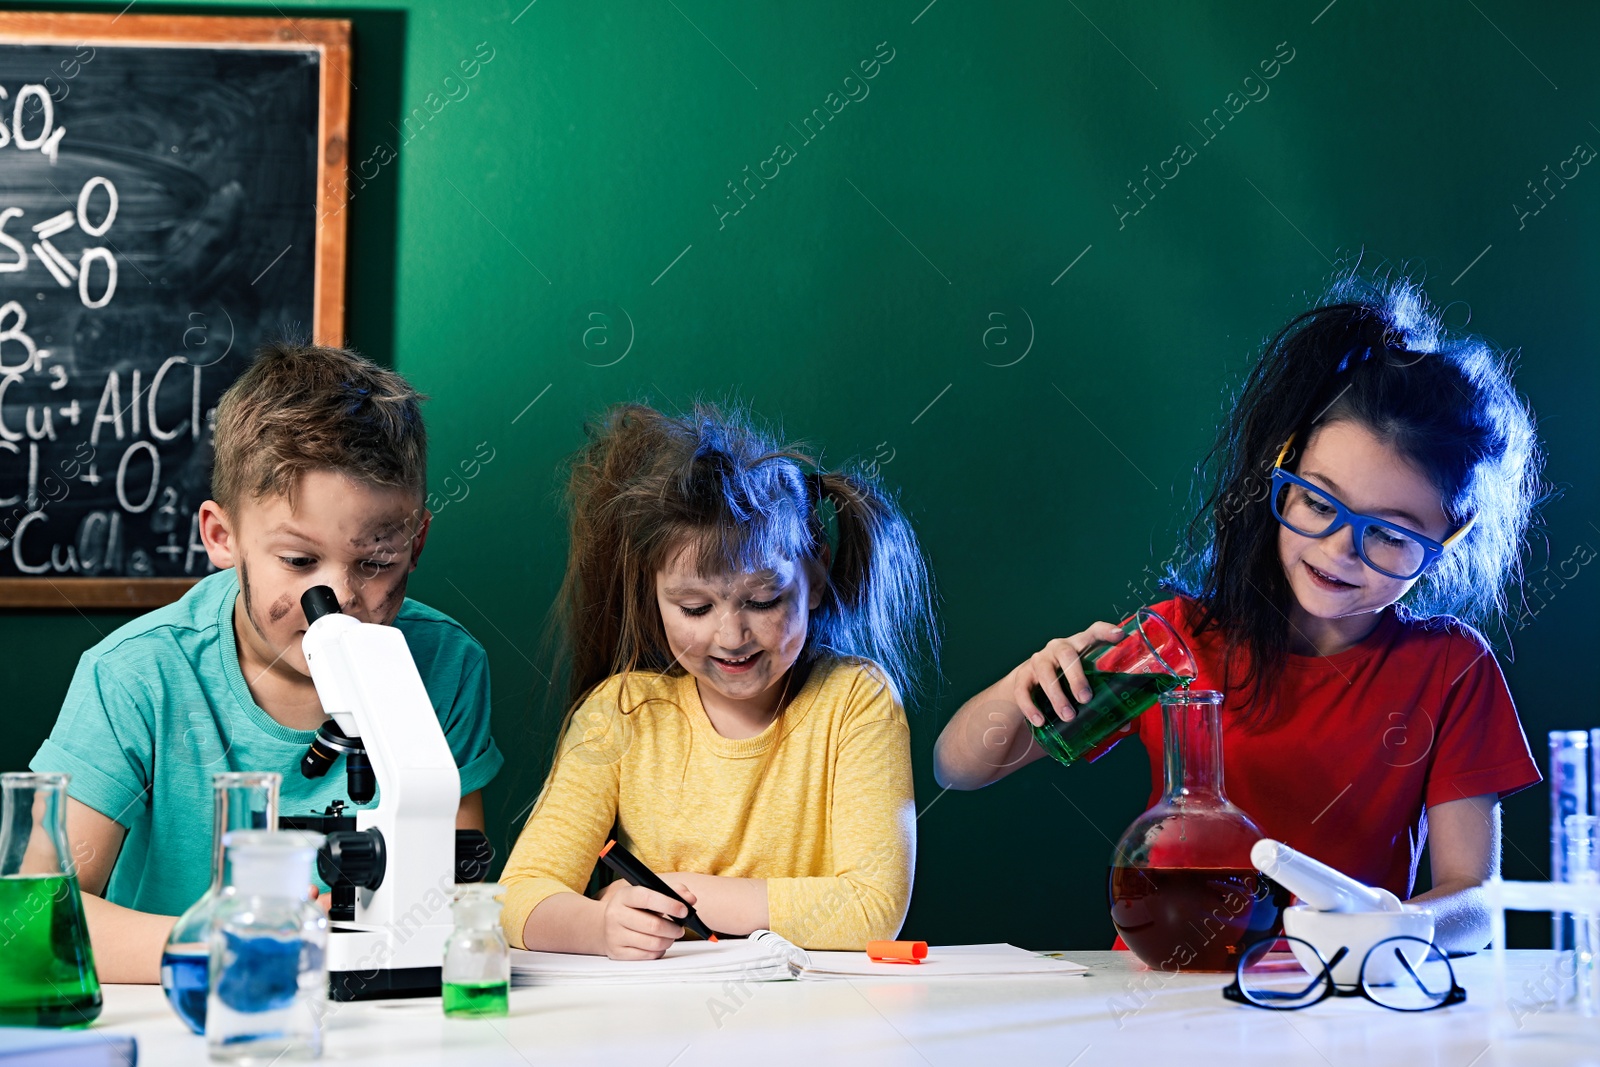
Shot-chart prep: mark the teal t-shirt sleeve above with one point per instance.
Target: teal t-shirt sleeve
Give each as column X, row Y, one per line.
column 104, row 740
column 466, row 725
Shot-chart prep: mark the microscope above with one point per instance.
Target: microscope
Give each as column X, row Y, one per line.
column 390, row 867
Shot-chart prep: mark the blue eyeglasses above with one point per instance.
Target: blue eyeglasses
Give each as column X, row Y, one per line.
column 1311, row 511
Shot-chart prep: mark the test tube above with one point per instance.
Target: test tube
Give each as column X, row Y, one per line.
column 1594, row 770
column 1569, row 795
column 1581, row 867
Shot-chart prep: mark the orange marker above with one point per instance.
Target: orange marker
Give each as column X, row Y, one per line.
column 897, row 951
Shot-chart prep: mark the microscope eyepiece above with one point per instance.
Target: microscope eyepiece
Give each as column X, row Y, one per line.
column 318, row 601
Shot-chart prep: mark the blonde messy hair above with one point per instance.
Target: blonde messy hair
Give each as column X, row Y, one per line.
column 302, row 407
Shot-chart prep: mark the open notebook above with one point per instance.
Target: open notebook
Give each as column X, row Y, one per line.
column 33, row 1047
column 768, row 957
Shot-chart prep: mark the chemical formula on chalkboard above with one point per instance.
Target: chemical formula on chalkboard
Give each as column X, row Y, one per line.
column 158, row 221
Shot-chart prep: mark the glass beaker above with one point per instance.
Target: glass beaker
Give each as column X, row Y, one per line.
column 477, row 960
column 1127, row 677
column 241, row 800
column 1184, row 894
column 269, row 961
column 49, row 977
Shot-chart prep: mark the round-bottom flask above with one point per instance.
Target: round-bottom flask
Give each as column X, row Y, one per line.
column 1184, row 894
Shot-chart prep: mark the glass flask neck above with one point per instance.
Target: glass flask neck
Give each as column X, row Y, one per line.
column 1192, row 723
column 33, row 825
column 241, row 800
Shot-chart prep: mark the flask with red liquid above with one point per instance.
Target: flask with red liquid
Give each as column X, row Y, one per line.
column 1184, row 894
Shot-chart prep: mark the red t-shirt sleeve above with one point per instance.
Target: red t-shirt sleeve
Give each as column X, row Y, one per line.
column 1480, row 746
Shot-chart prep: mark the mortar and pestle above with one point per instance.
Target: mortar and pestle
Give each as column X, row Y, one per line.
column 1336, row 911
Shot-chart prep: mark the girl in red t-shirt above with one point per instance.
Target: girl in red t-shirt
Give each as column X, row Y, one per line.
column 1370, row 489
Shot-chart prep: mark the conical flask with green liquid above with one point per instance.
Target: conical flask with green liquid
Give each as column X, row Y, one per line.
column 48, row 978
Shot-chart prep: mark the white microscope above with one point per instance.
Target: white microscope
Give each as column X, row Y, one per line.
column 392, row 866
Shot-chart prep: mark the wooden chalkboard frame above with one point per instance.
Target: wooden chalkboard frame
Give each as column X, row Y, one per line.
column 328, row 37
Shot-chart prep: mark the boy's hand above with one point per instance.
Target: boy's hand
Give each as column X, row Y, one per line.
column 324, row 900
column 1061, row 654
column 632, row 926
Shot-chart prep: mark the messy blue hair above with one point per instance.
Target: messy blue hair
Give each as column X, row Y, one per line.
column 1374, row 352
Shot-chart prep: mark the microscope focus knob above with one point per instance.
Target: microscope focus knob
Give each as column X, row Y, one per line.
column 353, row 857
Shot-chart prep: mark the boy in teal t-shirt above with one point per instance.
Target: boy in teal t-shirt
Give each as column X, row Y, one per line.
column 318, row 480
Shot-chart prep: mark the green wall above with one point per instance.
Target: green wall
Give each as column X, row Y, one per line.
column 871, row 294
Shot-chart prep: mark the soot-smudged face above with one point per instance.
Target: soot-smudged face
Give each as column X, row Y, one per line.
column 360, row 540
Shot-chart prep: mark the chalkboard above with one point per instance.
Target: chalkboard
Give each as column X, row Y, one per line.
column 171, row 195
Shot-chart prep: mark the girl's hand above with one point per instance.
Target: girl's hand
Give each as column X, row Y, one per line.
column 632, row 927
column 984, row 740
column 728, row 905
column 1061, row 654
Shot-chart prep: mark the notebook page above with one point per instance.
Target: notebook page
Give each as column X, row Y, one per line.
column 948, row 961
column 762, row 957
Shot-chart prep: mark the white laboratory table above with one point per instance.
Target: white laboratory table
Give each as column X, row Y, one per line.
column 1120, row 1014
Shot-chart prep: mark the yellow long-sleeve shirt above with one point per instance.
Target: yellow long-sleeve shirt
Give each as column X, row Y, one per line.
column 829, row 822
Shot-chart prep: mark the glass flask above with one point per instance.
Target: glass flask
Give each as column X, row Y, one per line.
column 477, row 960
column 49, row 977
column 1126, row 677
column 241, row 800
column 269, row 962
column 1184, row 894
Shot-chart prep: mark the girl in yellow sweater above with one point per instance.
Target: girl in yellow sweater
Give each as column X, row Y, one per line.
column 741, row 626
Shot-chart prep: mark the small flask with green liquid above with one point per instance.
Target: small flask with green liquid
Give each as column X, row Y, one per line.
column 477, row 960
column 49, row 977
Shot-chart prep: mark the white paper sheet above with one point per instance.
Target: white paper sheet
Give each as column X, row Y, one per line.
column 768, row 957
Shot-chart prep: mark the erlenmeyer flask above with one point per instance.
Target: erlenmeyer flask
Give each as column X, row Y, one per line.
column 1184, row 894
column 48, row 978
column 241, row 800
